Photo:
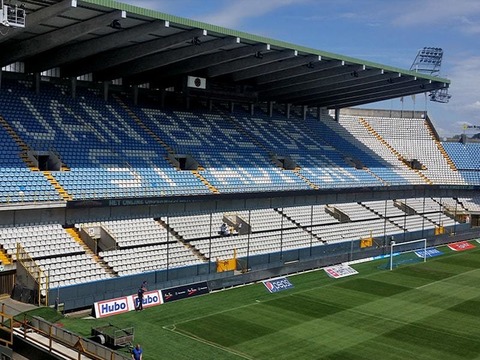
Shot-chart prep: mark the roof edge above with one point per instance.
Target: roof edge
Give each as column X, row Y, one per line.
column 256, row 38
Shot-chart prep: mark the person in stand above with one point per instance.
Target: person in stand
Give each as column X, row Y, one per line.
column 137, row 352
column 224, row 230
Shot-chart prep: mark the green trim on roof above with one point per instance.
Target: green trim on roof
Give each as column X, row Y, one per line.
column 254, row 38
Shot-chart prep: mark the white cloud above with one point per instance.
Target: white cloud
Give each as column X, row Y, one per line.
column 464, row 105
column 234, row 13
column 438, row 12
column 468, row 26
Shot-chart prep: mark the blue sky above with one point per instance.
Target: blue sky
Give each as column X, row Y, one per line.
column 383, row 31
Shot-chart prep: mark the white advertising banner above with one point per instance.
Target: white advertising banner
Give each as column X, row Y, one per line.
column 126, row 303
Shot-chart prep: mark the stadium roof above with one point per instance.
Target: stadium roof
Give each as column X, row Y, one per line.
column 111, row 40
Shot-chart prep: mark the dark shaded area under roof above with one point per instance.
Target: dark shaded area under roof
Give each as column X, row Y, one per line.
column 112, row 40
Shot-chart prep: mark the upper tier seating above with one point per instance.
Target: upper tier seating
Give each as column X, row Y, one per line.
column 232, row 162
column 322, row 163
column 413, row 141
column 372, row 153
column 466, row 158
column 109, row 150
column 108, row 153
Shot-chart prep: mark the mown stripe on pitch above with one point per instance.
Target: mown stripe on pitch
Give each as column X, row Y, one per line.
column 377, row 288
column 302, row 305
column 441, row 340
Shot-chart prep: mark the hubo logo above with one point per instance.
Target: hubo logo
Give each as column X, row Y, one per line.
column 149, row 299
column 276, row 285
column 111, row 307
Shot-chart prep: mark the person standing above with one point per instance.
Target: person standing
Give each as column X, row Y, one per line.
column 140, row 292
column 137, row 352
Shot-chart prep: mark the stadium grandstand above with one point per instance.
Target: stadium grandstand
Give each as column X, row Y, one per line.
column 130, row 136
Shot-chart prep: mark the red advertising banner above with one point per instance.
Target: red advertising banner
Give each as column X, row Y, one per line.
column 461, row 246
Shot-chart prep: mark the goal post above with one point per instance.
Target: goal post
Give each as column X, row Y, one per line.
column 406, row 247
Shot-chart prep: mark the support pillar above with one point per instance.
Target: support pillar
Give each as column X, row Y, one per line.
column 106, row 85
column 135, row 94
column 36, row 82
column 270, row 108
column 73, row 87
column 162, row 98
column 337, row 114
column 252, row 109
column 304, row 111
column 287, row 110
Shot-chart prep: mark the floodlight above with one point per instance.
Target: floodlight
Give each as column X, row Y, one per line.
column 428, row 61
column 115, row 24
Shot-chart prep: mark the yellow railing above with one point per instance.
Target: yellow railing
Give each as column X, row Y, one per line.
column 35, row 271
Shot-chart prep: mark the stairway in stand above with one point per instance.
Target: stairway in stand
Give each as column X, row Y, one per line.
column 76, row 236
column 394, row 151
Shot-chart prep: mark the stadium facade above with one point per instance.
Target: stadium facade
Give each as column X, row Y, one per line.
column 130, row 136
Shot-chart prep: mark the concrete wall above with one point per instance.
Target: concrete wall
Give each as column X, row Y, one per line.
column 91, row 211
column 384, row 113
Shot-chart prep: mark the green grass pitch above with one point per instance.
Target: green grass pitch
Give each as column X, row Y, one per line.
column 421, row 311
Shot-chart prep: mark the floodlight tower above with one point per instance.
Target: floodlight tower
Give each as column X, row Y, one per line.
column 429, row 61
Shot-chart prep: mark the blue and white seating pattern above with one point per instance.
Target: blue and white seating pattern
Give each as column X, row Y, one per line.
column 320, row 162
column 108, row 154
column 18, row 183
column 232, row 162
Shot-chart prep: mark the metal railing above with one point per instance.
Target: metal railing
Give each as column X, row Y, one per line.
column 61, row 342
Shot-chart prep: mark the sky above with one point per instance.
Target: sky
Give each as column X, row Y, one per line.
column 382, row 31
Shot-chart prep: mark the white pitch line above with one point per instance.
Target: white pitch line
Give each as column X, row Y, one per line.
column 206, row 342
column 448, row 278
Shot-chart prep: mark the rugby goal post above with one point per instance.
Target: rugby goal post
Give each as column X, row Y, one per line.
column 408, row 246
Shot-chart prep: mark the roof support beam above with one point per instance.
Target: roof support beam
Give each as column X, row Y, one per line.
column 349, row 77
column 253, row 61
column 66, row 54
column 427, row 88
column 37, row 17
column 347, row 104
column 165, row 58
column 54, row 38
column 123, row 55
column 406, row 90
column 198, row 63
column 305, row 97
column 278, row 66
column 307, row 69
column 281, row 87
